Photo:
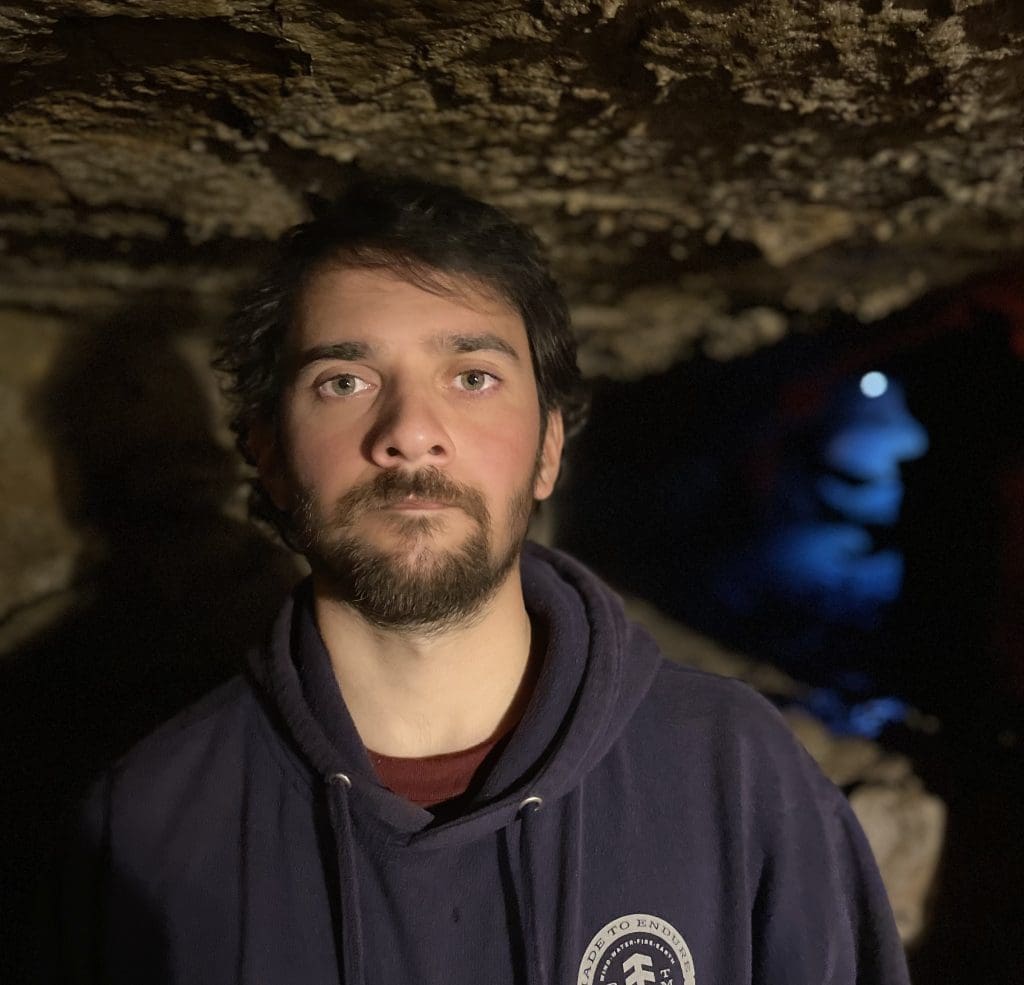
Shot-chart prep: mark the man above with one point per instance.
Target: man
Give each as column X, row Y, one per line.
column 456, row 760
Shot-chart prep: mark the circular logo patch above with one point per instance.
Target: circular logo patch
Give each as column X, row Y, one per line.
column 638, row 949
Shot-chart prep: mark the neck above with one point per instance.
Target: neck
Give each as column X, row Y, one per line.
column 422, row 695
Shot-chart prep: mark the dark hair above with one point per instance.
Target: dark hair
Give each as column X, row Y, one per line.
column 424, row 233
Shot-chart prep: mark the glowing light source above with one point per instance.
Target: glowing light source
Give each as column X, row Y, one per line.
column 874, row 384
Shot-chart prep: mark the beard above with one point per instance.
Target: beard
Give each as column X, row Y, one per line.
column 419, row 587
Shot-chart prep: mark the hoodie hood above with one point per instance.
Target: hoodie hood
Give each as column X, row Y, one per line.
column 597, row 668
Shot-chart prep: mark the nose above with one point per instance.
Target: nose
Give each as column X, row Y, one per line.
column 410, row 431
column 878, row 438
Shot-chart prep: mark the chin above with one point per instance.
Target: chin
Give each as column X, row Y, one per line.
column 420, row 531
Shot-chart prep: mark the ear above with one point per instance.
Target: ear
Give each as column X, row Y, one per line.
column 264, row 446
column 550, row 456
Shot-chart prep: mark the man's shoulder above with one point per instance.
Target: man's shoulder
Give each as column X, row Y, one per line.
column 723, row 723
column 227, row 705
column 687, row 691
column 200, row 747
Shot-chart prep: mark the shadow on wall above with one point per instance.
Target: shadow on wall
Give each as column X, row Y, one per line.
column 170, row 591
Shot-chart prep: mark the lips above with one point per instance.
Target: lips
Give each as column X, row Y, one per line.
column 414, row 503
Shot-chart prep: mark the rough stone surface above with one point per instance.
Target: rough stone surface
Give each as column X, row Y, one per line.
column 39, row 545
column 703, row 172
column 906, row 828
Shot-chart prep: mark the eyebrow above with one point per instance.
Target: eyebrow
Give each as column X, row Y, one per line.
column 477, row 343
column 351, row 351
column 344, row 351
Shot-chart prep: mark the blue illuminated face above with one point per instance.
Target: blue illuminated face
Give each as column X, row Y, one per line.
column 815, row 563
column 819, row 556
column 874, row 435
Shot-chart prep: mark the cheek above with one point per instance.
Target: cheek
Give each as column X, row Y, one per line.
column 508, row 452
column 320, row 454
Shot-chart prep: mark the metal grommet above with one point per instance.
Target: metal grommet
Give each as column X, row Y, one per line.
column 339, row 778
column 532, row 801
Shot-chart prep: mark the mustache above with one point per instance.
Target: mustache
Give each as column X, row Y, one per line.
column 391, row 487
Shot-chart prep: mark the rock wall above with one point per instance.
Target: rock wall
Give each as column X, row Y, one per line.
column 702, row 170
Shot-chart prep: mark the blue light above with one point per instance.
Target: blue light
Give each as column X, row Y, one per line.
column 874, row 384
column 867, row 719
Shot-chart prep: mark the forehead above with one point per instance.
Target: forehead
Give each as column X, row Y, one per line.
column 381, row 308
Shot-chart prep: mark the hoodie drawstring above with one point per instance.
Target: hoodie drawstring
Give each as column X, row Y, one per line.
column 521, row 866
column 351, row 944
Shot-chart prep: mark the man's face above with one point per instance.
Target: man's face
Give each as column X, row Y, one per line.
column 408, row 448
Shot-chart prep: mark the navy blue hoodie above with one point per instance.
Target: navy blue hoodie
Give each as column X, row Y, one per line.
column 644, row 824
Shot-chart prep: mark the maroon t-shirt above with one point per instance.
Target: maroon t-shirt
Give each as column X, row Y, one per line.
column 430, row 780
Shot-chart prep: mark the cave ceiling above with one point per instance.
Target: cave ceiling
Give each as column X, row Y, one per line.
column 704, row 173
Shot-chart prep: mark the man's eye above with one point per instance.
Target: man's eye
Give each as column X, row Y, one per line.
column 476, row 380
column 343, row 385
